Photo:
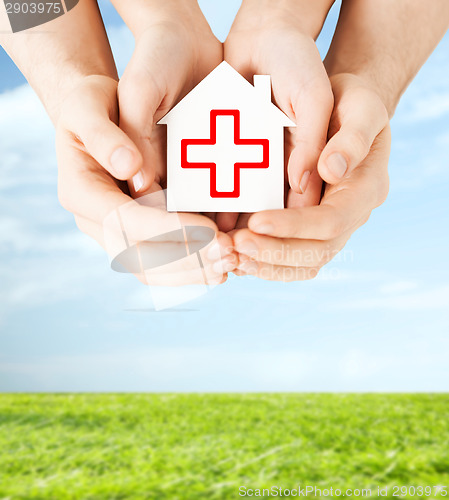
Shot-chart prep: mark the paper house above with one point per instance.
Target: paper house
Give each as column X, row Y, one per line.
column 225, row 146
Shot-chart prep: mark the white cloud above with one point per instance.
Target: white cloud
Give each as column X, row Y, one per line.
column 413, row 360
column 430, row 107
column 221, row 368
column 27, row 155
column 427, row 98
column 45, row 260
column 48, row 259
column 433, row 299
column 397, row 287
column 161, row 368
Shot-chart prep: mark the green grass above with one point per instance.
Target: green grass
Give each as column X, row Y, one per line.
column 106, row 447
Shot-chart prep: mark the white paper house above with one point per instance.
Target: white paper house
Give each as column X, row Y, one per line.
column 225, row 146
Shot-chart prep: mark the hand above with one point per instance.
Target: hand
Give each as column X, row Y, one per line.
column 269, row 39
column 86, row 138
column 172, row 56
column 293, row 244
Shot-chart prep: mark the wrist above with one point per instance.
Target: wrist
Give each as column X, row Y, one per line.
column 354, row 82
column 387, row 92
column 141, row 15
column 368, row 78
column 306, row 16
column 56, row 61
column 54, row 96
column 89, row 87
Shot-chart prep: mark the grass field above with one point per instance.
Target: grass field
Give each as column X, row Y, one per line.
column 106, row 447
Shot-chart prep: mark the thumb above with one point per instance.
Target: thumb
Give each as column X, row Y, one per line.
column 90, row 117
column 145, row 96
column 110, row 147
column 362, row 121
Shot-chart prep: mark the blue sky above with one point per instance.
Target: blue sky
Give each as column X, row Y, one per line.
column 377, row 318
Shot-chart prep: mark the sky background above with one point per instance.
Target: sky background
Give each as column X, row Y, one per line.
column 376, row 319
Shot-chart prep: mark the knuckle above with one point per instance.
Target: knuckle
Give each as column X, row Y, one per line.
column 359, row 143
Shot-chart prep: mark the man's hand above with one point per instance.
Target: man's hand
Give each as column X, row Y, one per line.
column 293, row 244
column 175, row 50
column 277, row 39
column 86, row 135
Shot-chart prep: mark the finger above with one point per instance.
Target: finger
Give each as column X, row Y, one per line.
column 287, row 251
column 226, row 221
column 312, row 110
column 140, row 95
column 110, row 147
column 323, row 222
column 193, row 275
column 302, row 90
column 218, row 249
column 139, row 99
column 105, row 142
column 196, row 268
column 104, row 203
column 184, row 279
column 243, row 221
column 343, row 206
column 211, row 215
column 312, row 195
column 271, row 272
column 352, row 142
column 147, row 90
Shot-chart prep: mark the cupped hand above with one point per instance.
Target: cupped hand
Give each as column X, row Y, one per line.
column 271, row 40
column 87, row 141
column 294, row 243
column 170, row 58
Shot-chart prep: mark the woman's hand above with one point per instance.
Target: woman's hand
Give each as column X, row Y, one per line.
column 175, row 49
column 87, row 138
column 277, row 39
column 293, row 244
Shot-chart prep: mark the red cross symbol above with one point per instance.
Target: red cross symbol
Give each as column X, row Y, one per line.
column 212, row 142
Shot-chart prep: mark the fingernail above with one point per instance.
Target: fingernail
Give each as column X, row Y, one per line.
column 249, row 267
column 264, row 229
column 247, row 247
column 138, row 182
column 337, row 165
column 304, row 182
column 122, row 161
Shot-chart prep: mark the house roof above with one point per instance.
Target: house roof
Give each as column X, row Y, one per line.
column 225, row 80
